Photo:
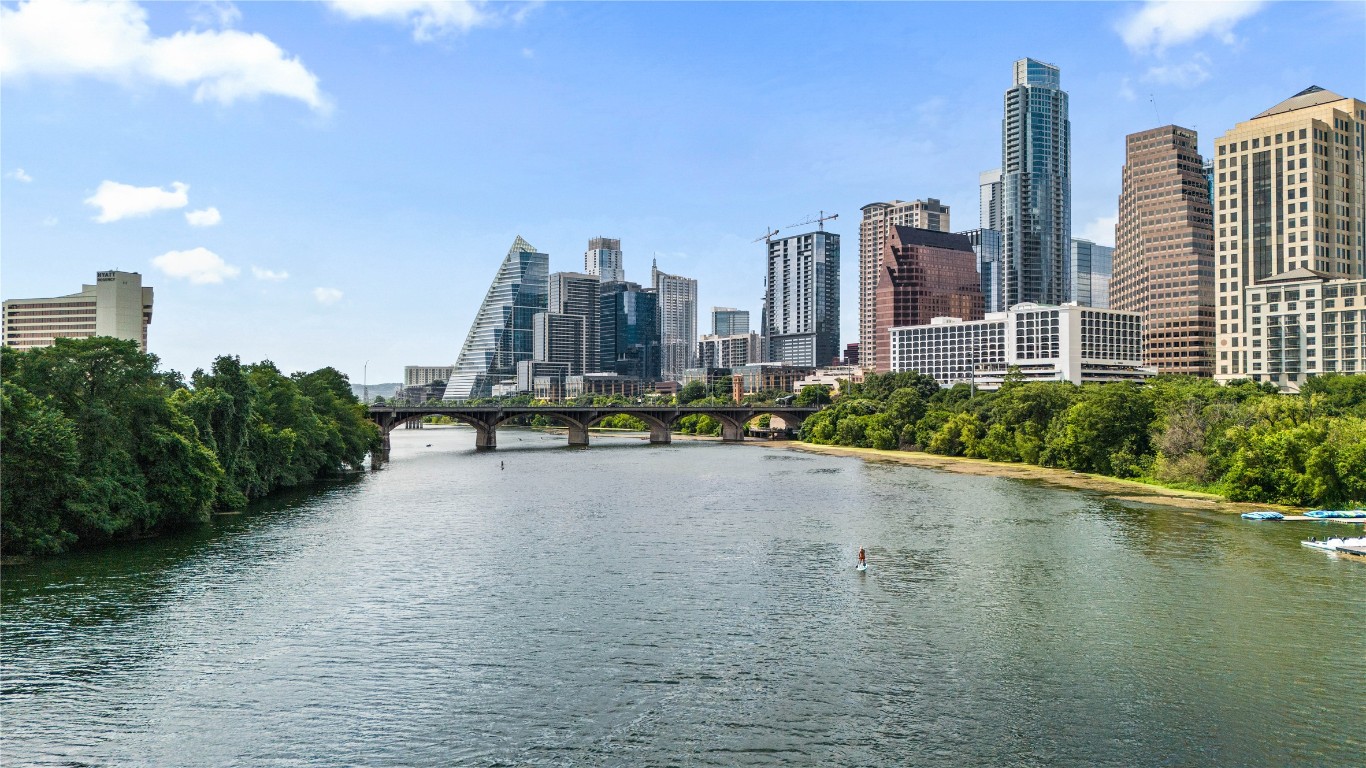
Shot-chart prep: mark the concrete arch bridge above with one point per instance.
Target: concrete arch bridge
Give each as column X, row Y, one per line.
column 579, row 419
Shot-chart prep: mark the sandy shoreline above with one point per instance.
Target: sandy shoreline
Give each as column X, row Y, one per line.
column 1120, row 490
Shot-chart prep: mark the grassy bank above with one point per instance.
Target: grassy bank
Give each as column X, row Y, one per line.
column 1122, row 490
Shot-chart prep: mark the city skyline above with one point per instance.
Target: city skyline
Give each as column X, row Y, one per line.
column 309, row 213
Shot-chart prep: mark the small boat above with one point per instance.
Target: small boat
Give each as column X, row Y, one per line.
column 1336, row 514
column 1265, row 515
column 1334, row 543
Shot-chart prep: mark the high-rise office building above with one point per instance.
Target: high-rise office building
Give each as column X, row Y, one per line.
column 1036, row 187
column 628, row 323
column 603, row 258
column 1090, row 266
column 116, row 305
column 877, row 223
column 1164, row 250
column 501, row 334
column 557, row 338
column 802, row 299
column 728, row 321
column 987, row 247
column 925, row 274
column 573, row 294
column 677, row 298
column 989, row 200
column 1291, row 194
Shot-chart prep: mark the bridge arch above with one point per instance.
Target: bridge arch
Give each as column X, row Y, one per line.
column 578, row 430
column 661, row 429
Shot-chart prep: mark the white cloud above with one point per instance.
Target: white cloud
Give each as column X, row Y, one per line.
column 1160, row 24
column 1186, row 75
column 1101, row 231
column 18, row 175
column 121, row 201
column 111, row 41
column 50, row 221
column 198, row 265
column 269, row 275
column 205, row 218
column 327, row 295
column 431, row 19
column 215, row 14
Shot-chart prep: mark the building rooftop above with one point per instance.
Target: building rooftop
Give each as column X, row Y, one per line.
column 1309, row 97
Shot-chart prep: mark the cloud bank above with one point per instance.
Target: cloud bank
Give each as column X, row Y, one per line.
column 199, row 265
column 111, row 41
column 123, row 201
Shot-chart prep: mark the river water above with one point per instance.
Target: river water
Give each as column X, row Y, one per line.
column 693, row 604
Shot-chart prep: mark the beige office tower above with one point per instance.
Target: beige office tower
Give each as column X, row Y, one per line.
column 116, row 305
column 878, row 220
column 1164, row 250
column 1288, row 190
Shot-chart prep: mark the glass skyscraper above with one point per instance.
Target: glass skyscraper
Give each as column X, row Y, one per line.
column 629, row 331
column 1091, row 267
column 802, row 301
column 677, row 297
column 1036, row 186
column 501, row 335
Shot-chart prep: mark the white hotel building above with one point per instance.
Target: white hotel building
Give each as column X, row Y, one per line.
column 1044, row 343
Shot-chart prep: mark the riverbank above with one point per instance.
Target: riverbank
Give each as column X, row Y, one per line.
column 1131, row 491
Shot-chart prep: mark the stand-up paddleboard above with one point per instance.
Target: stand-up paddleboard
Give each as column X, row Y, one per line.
column 862, row 567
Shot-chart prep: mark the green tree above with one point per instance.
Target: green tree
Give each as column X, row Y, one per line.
column 37, row 475
column 813, row 394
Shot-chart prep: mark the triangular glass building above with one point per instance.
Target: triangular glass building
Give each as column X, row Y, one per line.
column 501, row 334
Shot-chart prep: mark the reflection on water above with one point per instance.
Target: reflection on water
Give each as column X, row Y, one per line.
column 694, row 604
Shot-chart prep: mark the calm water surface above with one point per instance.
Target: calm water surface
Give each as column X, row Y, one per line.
column 694, row 604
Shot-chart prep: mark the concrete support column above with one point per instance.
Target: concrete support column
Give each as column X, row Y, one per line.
column 732, row 431
column 578, row 434
column 660, row 435
column 485, row 438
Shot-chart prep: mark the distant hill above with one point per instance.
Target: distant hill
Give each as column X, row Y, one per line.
column 376, row 390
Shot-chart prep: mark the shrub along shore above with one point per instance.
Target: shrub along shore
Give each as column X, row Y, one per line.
column 1241, row 442
column 98, row 444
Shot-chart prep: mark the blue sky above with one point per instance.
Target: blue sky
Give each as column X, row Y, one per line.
column 355, row 171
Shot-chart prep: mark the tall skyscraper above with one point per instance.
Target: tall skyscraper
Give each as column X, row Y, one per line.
column 1164, row 250
column 677, row 297
column 603, row 258
column 571, row 294
column 501, row 334
column 1036, row 187
column 802, row 299
column 117, row 305
column 877, row 223
column 728, row 321
column 628, row 322
column 1291, row 194
column 925, row 274
column 989, row 203
column 1090, row 266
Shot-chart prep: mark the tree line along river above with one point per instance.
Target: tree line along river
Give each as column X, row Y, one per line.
column 690, row 604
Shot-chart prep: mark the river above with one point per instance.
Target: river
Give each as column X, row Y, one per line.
column 692, row 604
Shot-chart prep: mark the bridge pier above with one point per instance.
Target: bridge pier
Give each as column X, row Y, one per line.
column 732, row 431
column 660, row 434
column 485, row 438
column 578, row 434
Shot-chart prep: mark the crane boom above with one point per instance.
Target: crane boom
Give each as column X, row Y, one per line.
column 818, row 220
column 766, row 236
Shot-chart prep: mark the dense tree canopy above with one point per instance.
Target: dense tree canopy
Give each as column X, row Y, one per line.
column 97, row 443
column 1242, row 440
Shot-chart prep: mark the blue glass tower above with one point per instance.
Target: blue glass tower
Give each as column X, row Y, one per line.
column 501, row 335
column 1036, row 168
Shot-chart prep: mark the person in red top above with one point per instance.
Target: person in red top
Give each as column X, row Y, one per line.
column 862, row 558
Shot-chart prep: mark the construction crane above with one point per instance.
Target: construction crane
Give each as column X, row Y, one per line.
column 818, row 220
column 766, row 236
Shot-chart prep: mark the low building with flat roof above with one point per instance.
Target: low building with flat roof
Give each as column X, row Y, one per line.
column 1037, row 342
column 1302, row 324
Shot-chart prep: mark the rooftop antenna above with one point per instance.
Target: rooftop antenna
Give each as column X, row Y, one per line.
column 1153, row 100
